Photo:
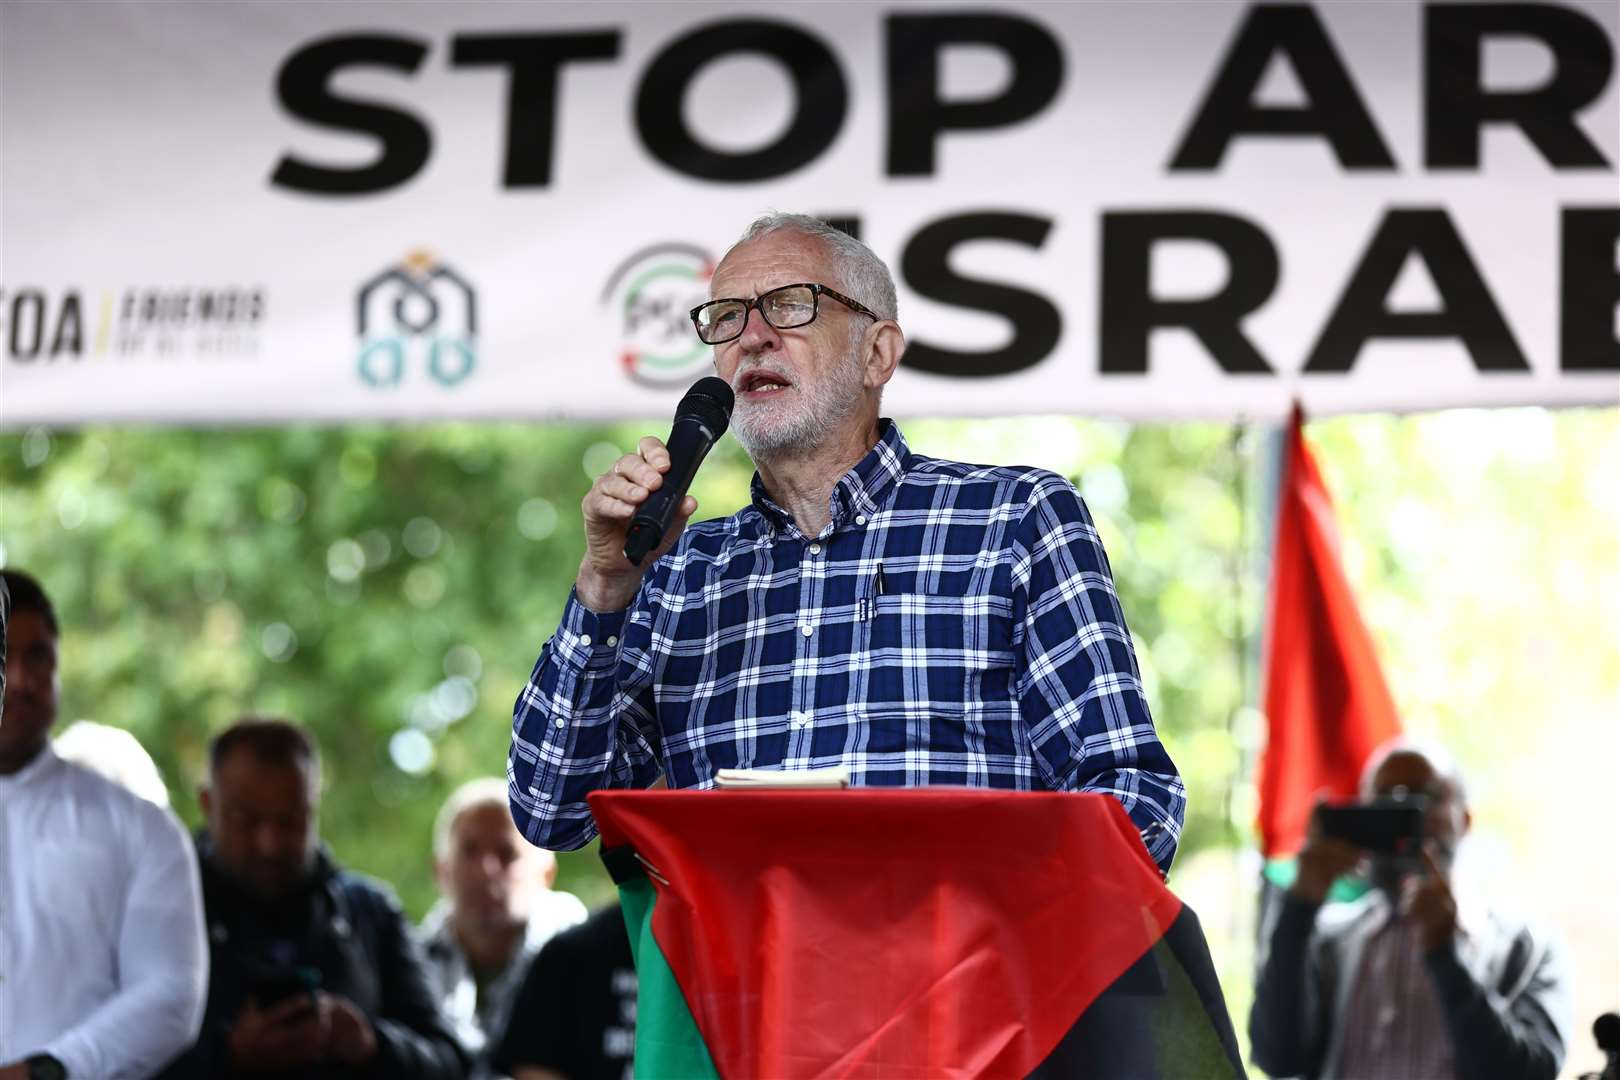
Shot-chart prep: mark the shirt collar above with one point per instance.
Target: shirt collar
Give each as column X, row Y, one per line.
column 861, row 492
column 436, row 928
column 323, row 874
column 439, row 939
column 45, row 763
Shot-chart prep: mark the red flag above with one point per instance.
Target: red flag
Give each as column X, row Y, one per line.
column 1326, row 703
column 907, row 933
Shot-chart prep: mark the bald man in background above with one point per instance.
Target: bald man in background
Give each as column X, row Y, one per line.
column 497, row 910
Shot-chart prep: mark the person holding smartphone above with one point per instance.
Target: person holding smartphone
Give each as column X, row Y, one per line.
column 315, row 973
column 1418, row 977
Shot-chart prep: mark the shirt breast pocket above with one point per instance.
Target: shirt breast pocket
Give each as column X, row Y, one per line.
column 943, row 653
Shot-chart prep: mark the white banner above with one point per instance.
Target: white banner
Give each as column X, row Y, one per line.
column 261, row 212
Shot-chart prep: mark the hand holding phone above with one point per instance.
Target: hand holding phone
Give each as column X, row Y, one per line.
column 272, row 986
column 1322, row 861
column 286, row 1035
column 1428, row 902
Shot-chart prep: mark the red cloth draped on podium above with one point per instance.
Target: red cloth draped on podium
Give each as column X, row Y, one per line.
column 907, row 933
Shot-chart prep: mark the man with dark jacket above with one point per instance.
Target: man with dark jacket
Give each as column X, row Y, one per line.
column 1419, row 977
column 315, row 972
column 575, row 1015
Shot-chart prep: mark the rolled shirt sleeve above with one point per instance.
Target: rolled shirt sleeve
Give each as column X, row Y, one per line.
column 584, row 721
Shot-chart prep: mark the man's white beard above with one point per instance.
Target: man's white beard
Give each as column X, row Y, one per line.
column 793, row 428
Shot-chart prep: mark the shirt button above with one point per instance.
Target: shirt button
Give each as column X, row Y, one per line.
column 799, row 719
column 613, row 639
column 815, row 549
column 860, row 519
column 562, row 723
column 585, row 639
column 806, row 630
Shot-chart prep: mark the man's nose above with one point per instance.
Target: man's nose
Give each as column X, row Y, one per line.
column 758, row 335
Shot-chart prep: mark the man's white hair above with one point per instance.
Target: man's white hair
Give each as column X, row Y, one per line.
column 1439, row 758
column 861, row 274
column 474, row 794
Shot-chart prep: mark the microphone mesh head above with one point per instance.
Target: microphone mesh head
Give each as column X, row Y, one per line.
column 710, row 400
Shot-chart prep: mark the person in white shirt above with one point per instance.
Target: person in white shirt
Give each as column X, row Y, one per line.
column 497, row 909
column 103, row 962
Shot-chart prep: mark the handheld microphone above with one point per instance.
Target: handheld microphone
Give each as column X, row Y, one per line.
column 700, row 419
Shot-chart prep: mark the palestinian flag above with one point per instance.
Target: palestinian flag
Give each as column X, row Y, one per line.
column 1326, row 703
column 910, row 933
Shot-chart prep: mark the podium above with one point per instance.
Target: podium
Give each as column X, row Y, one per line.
column 912, row 933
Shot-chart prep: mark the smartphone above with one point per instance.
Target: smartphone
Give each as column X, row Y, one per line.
column 1393, row 827
column 273, row 986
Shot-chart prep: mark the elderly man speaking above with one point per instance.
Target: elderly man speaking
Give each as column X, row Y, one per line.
column 912, row 620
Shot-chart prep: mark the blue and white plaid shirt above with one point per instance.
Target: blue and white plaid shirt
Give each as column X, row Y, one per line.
column 952, row 624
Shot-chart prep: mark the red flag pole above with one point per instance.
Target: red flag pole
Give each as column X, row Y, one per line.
column 1326, row 703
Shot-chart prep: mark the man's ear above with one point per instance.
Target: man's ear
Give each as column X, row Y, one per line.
column 205, row 801
column 883, row 345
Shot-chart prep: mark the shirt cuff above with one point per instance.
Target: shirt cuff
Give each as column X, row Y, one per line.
column 588, row 640
column 68, row 1050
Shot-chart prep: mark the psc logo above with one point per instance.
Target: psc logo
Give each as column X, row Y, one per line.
column 418, row 310
column 652, row 291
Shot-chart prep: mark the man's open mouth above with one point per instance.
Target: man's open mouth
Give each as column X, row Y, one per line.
column 762, row 383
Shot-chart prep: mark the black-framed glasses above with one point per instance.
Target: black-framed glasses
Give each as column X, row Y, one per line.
column 784, row 307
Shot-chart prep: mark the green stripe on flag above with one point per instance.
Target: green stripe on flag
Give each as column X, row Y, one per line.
column 1188, row 1043
column 668, row 1042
